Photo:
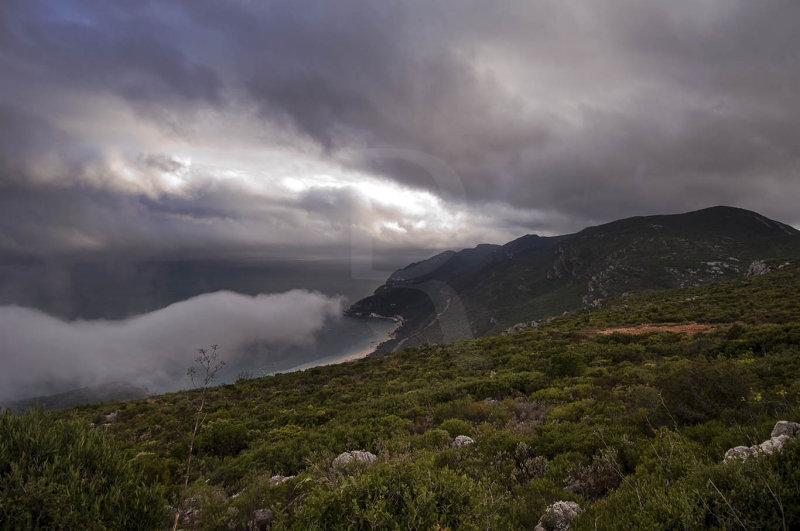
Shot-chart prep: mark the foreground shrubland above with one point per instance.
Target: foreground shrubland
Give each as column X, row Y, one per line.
column 632, row 426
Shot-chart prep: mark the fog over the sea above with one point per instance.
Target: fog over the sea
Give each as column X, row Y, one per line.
column 42, row 354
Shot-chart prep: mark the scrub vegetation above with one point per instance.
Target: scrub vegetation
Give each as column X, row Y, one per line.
column 632, row 426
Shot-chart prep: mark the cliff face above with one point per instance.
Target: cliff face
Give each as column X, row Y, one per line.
column 457, row 295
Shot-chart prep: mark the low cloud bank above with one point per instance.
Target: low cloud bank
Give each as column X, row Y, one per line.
column 41, row 354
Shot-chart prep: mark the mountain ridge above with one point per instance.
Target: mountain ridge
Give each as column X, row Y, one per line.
column 482, row 290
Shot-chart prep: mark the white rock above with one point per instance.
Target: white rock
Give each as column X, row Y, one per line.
column 773, row 445
column 784, row 427
column 758, row 268
column 558, row 516
column 739, row 452
column 783, row 431
column 356, row 455
column 278, row 479
column 462, row 440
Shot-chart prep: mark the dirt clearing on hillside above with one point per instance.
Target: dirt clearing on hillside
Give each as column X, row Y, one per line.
column 691, row 329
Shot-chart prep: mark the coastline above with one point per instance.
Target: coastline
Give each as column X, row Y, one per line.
column 357, row 355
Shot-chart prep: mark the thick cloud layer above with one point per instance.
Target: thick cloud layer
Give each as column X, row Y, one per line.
column 155, row 125
column 43, row 354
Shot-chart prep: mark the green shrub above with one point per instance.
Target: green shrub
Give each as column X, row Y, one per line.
column 697, row 391
column 456, row 427
column 398, row 496
column 594, row 480
column 431, row 440
column 565, row 364
column 528, row 464
column 222, row 438
column 759, row 493
column 62, row 475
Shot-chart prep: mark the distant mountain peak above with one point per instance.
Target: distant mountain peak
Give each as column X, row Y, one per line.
column 471, row 292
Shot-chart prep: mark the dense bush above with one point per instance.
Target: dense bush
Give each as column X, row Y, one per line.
column 399, row 496
column 456, row 427
column 223, row 438
column 61, row 475
column 762, row 493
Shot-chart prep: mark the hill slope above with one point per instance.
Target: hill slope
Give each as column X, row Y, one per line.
column 631, row 425
column 77, row 397
column 489, row 288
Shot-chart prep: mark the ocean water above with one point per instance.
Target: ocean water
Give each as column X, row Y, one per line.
column 108, row 288
column 113, row 290
column 340, row 340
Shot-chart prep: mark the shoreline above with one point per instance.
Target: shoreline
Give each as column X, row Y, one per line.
column 353, row 356
column 322, row 362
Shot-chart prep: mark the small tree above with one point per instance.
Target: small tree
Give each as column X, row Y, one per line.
column 208, row 365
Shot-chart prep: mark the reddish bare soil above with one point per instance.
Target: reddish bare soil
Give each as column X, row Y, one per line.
column 691, row 329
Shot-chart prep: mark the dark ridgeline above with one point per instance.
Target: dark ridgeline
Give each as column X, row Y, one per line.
column 84, row 395
column 484, row 290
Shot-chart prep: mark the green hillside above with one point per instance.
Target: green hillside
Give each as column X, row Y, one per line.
column 489, row 288
column 632, row 426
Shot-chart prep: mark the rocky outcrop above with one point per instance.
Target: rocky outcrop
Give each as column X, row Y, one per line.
column 758, row 268
column 356, row 456
column 278, row 479
column 782, row 432
column 740, row 452
column 520, row 327
column 461, row 441
column 558, row 516
column 784, row 427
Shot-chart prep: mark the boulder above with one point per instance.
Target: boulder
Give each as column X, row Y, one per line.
column 558, row 516
column 739, row 452
column 357, row 456
column 462, row 440
column 784, row 427
column 775, row 444
column 782, row 432
column 758, row 268
column 364, row 457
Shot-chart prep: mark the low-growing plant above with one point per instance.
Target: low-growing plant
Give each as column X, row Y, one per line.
column 59, row 474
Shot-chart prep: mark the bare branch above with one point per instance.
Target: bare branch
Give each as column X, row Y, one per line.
column 209, row 366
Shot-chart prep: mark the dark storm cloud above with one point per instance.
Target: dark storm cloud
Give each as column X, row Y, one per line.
column 210, row 219
column 601, row 110
column 128, row 48
column 551, row 115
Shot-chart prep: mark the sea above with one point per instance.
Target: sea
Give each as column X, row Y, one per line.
column 112, row 289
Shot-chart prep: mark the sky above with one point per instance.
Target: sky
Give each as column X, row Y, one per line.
column 321, row 128
column 373, row 133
